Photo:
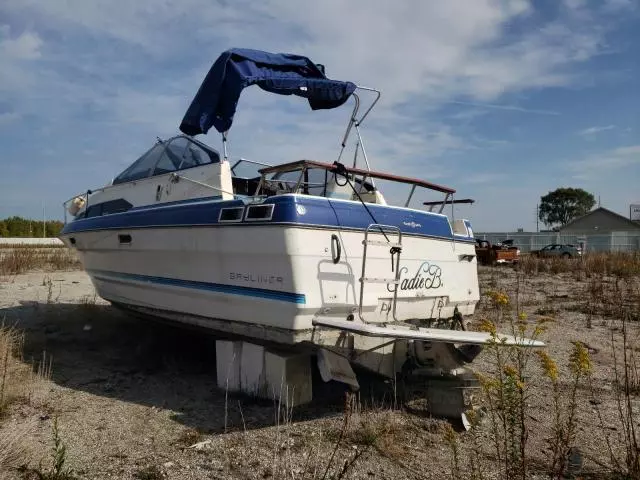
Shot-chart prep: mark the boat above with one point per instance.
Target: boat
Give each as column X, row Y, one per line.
column 304, row 256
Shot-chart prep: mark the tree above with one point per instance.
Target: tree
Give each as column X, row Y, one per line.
column 563, row 205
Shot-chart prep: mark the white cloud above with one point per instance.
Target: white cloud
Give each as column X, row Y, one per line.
column 618, row 5
column 422, row 53
column 432, row 50
column 16, row 52
column 123, row 72
column 593, row 130
column 595, row 164
column 25, row 46
column 626, row 151
column 511, row 108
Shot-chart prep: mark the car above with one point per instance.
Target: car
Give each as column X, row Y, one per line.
column 565, row 250
column 501, row 252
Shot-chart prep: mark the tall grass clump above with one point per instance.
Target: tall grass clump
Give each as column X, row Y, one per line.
column 23, row 258
column 564, row 415
column 624, row 450
column 507, row 391
column 11, row 371
column 620, row 264
column 19, row 382
column 58, row 469
column 506, row 388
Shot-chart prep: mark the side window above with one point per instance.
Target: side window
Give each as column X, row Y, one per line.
column 316, row 179
column 141, row 168
column 194, row 156
column 182, row 153
column 172, row 156
column 166, row 164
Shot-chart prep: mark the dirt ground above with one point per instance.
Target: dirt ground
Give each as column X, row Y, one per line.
column 131, row 398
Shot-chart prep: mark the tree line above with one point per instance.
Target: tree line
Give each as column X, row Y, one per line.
column 25, row 227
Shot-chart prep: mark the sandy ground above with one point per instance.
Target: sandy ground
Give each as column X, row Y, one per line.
column 131, row 396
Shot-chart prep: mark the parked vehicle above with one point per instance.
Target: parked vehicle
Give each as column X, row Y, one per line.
column 502, row 252
column 559, row 250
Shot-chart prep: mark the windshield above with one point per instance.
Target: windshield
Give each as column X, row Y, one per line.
column 175, row 154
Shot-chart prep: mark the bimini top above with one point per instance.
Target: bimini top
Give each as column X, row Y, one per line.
column 285, row 74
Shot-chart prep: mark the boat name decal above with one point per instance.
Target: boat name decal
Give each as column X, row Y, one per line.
column 427, row 276
column 254, row 278
column 411, row 224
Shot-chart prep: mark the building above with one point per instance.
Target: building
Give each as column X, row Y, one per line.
column 600, row 221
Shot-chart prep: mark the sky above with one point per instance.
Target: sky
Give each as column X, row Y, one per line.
column 502, row 100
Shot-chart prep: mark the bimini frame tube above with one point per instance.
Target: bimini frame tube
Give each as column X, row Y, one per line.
column 354, row 121
column 224, row 146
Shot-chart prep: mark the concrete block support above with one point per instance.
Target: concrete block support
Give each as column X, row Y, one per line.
column 288, row 378
column 252, row 369
column 228, row 365
column 269, row 374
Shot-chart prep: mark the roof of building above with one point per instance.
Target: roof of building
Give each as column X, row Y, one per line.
column 631, row 223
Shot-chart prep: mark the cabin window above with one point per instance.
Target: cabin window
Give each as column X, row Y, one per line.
column 257, row 213
column 142, row 167
column 314, row 182
column 194, row 156
column 182, row 153
column 178, row 153
column 233, row 214
column 311, row 181
column 110, row 206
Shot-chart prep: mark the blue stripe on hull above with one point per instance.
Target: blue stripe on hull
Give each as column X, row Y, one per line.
column 305, row 211
column 289, row 297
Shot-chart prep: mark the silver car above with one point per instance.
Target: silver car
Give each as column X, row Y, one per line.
column 560, row 250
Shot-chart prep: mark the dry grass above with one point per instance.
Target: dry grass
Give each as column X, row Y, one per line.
column 606, row 289
column 22, row 258
column 18, row 383
column 620, row 264
column 11, row 370
column 18, row 380
column 14, row 445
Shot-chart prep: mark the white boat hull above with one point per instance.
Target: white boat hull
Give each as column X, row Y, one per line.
column 276, row 276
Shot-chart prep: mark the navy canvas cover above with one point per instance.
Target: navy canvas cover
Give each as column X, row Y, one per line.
column 285, row 74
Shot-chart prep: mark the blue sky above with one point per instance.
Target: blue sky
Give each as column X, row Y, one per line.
column 502, row 100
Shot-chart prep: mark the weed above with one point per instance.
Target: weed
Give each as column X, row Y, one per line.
column 20, row 259
column 189, row 436
column 378, row 429
column 564, row 424
column 451, row 439
column 625, row 402
column 151, row 472
column 88, row 304
column 505, row 389
column 49, row 284
column 58, row 469
column 14, row 449
column 11, row 370
column 620, row 264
